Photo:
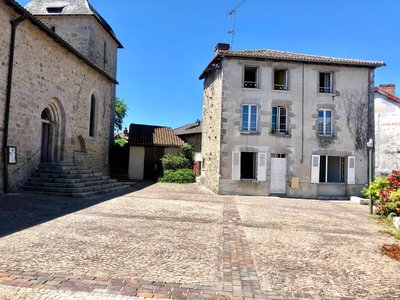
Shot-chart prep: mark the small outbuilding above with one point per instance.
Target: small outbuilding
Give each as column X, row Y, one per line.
column 148, row 144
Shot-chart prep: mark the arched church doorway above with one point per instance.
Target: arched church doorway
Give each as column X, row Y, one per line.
column 46, row 136
column 53, row 132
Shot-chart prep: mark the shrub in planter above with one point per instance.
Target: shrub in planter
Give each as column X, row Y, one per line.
column 178, row 176
column 175, row 162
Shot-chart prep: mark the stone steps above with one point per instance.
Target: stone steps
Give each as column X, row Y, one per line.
column 71, row 181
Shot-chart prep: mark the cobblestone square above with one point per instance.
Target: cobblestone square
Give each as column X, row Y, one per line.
column 171, row 241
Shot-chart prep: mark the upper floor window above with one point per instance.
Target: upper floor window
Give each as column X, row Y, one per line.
column 249, row 118
column 279, row 120
column 326, row 82
column 55, row 10
column 281, row 80
column 250, row 77
column 325, row 122
column 92, row 116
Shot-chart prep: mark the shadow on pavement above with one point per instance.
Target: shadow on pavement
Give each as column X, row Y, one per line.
column 23, row 210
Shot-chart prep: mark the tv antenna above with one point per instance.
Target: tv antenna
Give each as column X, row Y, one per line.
column 232, row 14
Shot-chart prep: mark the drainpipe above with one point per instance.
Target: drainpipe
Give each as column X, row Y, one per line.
column 14, row 25
column 302, row 114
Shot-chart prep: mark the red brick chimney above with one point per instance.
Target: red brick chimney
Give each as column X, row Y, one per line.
column 221, row 46
column 389, row 88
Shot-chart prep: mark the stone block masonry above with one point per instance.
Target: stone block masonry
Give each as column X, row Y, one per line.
column 48, row 76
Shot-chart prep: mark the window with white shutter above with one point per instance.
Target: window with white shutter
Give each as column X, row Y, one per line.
column 262, row 166
column 235, row 165
column 351, row 170
column 315, row 160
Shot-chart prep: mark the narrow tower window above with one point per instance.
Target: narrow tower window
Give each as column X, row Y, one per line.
column 92, row 116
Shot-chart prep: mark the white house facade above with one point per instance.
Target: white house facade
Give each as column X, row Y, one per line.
column 387, row 130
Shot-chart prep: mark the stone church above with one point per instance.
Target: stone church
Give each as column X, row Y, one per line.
column 57, row 87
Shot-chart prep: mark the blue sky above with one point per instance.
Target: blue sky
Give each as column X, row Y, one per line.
column 169, row 42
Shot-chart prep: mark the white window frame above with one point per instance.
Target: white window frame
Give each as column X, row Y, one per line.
column 325, row 88
column 324, row 133
column 316, row 162
column 257, row 82
column 286, row 86
column 278, row 119
column 249, row 119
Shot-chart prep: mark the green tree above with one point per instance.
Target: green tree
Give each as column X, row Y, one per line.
column 120, row 113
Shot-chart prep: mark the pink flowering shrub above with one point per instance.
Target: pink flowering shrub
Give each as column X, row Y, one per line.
column 386, row 193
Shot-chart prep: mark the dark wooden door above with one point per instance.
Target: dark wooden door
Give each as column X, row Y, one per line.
column 152, row 163
column 46, row 153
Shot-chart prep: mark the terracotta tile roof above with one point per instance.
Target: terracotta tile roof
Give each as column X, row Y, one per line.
column 149, row 135
column 288, row 56
column 191, row 128
column 386, row 94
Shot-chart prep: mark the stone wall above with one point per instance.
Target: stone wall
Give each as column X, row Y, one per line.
column 89, row 37
column 194, row 140
column 302, row 140
column 46, row 75
column 387, row 135
column 211, row 127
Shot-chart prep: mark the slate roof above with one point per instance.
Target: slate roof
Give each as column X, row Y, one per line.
column 69, row 7
column 191, row 128
column 287, row 56
column 150, row 135
column 36, row 22
column 387, row 95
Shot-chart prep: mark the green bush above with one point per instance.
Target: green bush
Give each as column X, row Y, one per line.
column 175, row 162
column 121, row 142
column 178, row 176
column 187, row 151
column 386, row 193
column 376, row 187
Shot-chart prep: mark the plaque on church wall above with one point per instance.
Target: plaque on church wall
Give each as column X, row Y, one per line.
column 12, row 155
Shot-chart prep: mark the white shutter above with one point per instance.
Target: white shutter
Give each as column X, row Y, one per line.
column 262, row 166
column 315, row 161
column 351, row 170
column 235, row 165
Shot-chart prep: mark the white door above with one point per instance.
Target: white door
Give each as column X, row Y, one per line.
column 278, row 174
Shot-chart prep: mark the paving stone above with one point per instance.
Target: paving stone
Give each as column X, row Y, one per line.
column 183, row 242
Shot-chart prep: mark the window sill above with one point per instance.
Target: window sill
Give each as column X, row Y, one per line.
column 325, row 136
column 332, row 183
column 281, row 91
column 248, row 180
column 251, row 88
column 325, row 94
column 249, row 133
column 277, row 134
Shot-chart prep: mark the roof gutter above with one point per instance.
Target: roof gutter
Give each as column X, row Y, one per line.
column 14, row 25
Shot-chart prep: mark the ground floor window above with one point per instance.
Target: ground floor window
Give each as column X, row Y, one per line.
column 332, row 169
column 248, row 165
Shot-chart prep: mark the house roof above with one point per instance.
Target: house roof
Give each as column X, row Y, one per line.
column 286, row 56
column 387, row 95
column 35, row 21
column 69, row 7
column 191, row 128
column 150, row 135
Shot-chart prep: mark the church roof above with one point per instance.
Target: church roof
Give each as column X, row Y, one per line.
column 67, row 8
